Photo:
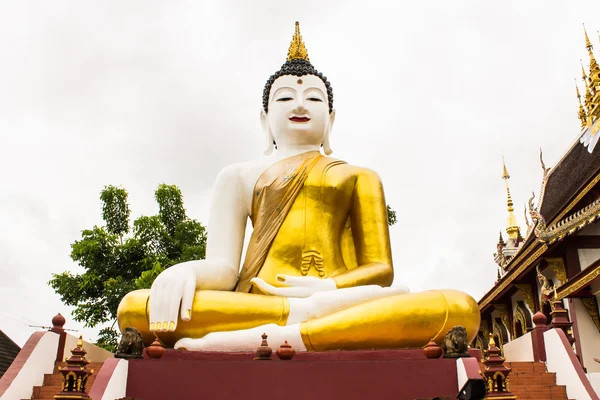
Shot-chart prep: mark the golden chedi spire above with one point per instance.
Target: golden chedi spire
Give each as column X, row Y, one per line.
column 582, row 114
column 512, row 227
column 297, row 50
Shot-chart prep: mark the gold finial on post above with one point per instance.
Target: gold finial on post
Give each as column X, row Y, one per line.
column 297, row 50
column 492, row 343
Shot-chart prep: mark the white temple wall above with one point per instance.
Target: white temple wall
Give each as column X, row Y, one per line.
column 519, row 349
column 589, row 338
column 587, row 257
column 590, row 230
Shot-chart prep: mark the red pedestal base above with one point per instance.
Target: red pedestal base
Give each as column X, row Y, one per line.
column 383, row 374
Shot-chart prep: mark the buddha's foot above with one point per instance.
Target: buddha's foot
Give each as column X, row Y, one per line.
column 245, row 339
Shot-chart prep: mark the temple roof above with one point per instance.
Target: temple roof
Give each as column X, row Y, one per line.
column 8, row 352
column 568, row 178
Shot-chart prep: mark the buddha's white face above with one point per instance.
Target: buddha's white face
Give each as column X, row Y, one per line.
column 298, row 111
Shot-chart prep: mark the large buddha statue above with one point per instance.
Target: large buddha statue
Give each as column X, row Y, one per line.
column 318, row 267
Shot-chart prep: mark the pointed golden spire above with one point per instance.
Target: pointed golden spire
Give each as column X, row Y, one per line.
column 80, row 341
column 512, row 226
column 594, row 69
column 588, row 93
column 582, row 113
column 297, row 50
column 588, row 44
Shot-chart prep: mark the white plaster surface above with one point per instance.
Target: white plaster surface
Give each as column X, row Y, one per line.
column 559, row 362
column 94, row 353
column 461, row 373
column 117, row 385
column 587, row 257
column 589, row 338
column 520, row 349
column 595, row 380
column 590, row 230
column 40, row 362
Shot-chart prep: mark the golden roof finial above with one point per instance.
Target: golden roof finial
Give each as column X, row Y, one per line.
column 80, row 341
column 512, row 226
column 297, row 50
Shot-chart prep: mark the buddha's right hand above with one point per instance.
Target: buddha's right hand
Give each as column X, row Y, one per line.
column 174, row 286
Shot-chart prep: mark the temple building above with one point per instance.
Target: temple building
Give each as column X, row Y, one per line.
column 558, row 258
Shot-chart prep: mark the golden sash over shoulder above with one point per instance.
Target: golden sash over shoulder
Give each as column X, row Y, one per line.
column 274, row 194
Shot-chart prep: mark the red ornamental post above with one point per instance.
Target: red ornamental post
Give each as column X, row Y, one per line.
column 560, row 319
column 537, row 337
column 496, row 374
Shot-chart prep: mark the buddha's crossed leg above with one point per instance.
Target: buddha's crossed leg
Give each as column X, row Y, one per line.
column 354, row 318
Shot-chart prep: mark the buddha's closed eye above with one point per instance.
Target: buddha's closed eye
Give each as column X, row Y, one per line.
column 314, row 99
column 285, row 99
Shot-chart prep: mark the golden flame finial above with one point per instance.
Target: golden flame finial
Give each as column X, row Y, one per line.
column 297, row 49
column 80, row 341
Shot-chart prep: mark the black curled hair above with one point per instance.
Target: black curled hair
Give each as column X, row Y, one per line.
column 297, row 67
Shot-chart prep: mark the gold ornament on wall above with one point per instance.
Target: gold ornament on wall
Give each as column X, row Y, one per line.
column 526, row 292
column 591, row 305
column 557, row 265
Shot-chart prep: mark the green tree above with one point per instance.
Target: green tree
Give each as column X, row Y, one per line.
column 118, row 258
column 391, row 214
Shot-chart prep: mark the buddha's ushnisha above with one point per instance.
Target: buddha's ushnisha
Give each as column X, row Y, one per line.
column 318, row 267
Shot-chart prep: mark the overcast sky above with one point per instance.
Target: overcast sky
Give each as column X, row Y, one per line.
column 136, row 93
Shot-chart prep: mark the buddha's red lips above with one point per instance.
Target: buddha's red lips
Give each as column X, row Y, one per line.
column 299, row 119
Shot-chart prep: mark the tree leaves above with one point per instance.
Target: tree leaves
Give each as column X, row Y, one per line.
column 391, row 215
column 118, row 258
column 115, row 210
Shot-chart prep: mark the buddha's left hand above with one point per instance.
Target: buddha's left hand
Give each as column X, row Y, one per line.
column 297, row 286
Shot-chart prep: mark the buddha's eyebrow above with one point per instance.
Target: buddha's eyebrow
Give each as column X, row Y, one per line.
column 314, row 88
column 283, row 88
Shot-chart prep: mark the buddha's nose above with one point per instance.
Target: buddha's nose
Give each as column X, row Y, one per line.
column 299, row 105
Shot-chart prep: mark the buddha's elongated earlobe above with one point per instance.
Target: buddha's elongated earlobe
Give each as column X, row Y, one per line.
column 326, row 146
column 267, row 131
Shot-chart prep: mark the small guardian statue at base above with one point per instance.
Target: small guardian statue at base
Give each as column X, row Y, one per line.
column 455, row 343
column 131, row 344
